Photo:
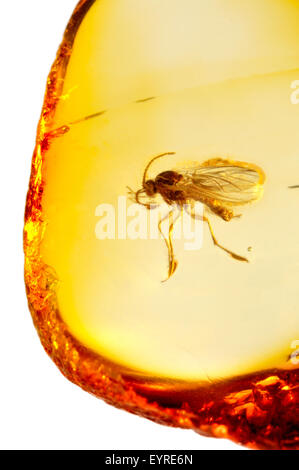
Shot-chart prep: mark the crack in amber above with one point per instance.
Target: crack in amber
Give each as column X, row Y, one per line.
column 259, row 410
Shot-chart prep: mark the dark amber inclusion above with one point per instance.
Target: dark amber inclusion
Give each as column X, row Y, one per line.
column 214, row 348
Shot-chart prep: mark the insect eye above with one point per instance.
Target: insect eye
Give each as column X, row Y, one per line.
column 150, row 187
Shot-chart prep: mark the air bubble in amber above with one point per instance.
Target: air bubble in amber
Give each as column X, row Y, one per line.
column 215, row 348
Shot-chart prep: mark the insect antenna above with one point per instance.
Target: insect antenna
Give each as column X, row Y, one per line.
column 132, row 194
column 150, row 163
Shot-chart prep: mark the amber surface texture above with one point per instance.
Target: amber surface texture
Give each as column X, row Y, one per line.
column 176, row 329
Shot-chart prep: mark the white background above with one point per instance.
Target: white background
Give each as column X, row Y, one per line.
column 39, row 408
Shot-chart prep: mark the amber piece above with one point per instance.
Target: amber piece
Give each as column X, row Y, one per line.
column 215, row 348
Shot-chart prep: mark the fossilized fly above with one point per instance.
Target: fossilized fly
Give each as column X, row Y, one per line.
column 220, row 184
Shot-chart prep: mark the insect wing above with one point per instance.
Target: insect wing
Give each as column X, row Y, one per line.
column 230, row 183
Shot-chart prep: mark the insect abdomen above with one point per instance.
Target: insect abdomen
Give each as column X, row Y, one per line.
column 222, row 211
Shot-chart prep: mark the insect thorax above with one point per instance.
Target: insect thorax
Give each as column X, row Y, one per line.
column 169, row 178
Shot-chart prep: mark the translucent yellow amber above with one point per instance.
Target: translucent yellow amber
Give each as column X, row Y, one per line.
column 218, row 340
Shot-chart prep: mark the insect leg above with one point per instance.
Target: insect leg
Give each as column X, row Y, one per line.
column 231, row 253
column 205, row 219
column 172, row 262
